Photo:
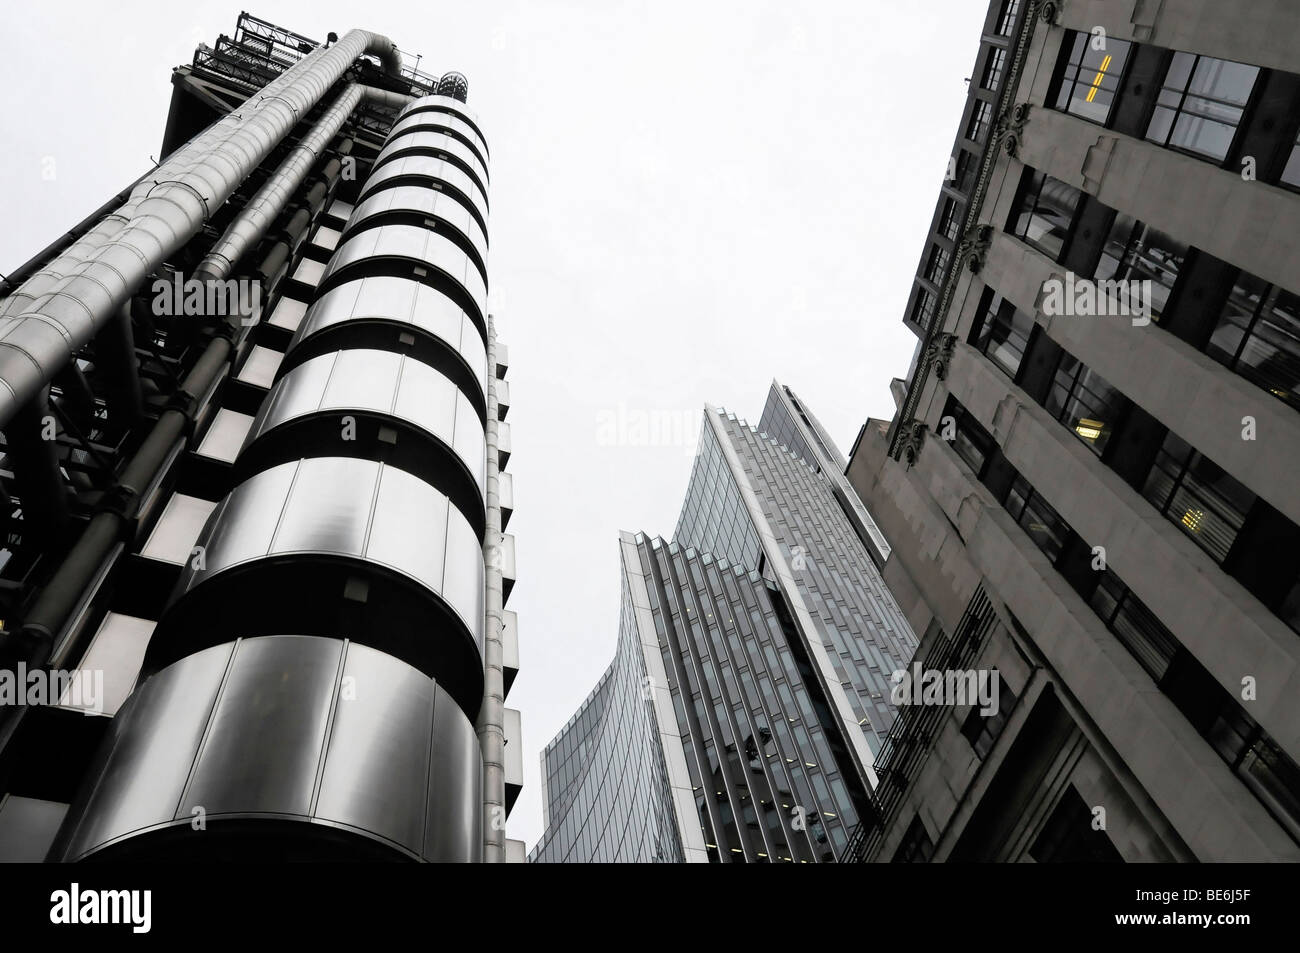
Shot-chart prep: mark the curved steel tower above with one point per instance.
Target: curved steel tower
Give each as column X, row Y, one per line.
column 326, row 679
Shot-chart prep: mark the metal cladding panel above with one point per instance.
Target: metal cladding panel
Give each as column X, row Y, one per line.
column 380, row 739
column 441, row 104
column 280, row 735
column 402, row 301
column 354, row 382
column 440, row 141
column 454, row 819
column 415, row 244
column 421, row 201
column 141, row 768
column 243, row 524
column 429, row 168
column 441, row 120
column 331, row 505
column 404, row 505
column 327, row 510
column 265, row 733
column 462, row 583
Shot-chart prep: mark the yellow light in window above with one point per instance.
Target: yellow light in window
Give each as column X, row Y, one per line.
column 1192, row 520
column 761, row 854
column 828, row 813
column 1089, row 429
column 1096, row 83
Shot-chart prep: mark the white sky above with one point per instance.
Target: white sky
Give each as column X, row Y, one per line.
column 688, row 199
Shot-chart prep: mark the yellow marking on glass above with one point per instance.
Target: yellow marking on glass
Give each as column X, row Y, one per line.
column 1096, row 83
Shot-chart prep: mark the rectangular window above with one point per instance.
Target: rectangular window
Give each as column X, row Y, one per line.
column 916, row 846
column 1198, row 497
column 1134, row 251
column 1045, row 212
column 964, row 172
column 981, row 119
column 950, row 220
column 1085, row 402
column 1291, row 174
column 993, row 70
column 1007, row 17
column 971, row 442
column 1036, row 517
column 1134, row 624
column 1001, row 333
column 1258, row 336
column 982, row 730
column 923, row 309
column 936, row 265
column 1200, row 104
column 1091, row 76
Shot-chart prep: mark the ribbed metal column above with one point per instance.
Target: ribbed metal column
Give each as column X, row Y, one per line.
column 311, row 689
column 491, row 728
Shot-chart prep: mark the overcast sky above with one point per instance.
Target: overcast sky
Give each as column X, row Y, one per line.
column 688, row 200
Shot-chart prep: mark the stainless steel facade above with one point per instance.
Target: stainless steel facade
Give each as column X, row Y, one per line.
column 325, row 503
column 1099, row 501
column 754, row 653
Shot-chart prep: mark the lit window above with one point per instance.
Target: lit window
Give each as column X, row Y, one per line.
column 1085, row 402
column 1091, row 77
column 1198, row 497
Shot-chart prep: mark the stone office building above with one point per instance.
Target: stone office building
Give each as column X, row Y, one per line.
column 1096, row 495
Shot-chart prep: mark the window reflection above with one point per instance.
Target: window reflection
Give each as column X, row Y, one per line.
column 1134, row 251
column 1045, row 213
column 1002, row 334
column 1201, row 103
column 1090, row 82
column 1258, row 336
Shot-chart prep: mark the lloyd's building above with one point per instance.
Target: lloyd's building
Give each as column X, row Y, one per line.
column 273, row 531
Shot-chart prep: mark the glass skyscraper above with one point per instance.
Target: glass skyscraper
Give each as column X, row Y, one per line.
column 749, row 691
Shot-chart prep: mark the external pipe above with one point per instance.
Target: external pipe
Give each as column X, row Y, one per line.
column 491, row 718
column 271, row 199
column 47, row 332
column 53, row 607
column 119, row 216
